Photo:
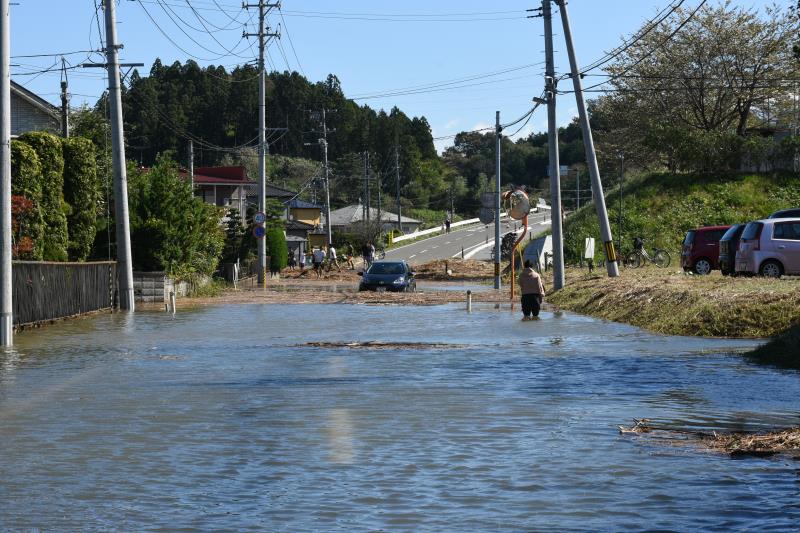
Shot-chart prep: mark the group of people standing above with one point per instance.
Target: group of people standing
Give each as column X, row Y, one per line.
column 318, row 259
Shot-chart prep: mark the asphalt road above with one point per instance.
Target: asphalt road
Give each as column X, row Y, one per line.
column 475, row 241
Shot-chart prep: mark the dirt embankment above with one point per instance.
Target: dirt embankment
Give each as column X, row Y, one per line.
column 342, row 287
column 678, row 304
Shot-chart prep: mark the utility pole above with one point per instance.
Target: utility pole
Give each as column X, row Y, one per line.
column 380, row 215
column 64, row 100
column 578, row 189
column 621, row 183
column 498, row 139
column 397, row 181
column 324, row 143
column 366, row 185
column 452, row 212
column 6, row 289
column 124, row 263
column 191, row 165
column 263, row 34
column 612, row 261
column 552, row 141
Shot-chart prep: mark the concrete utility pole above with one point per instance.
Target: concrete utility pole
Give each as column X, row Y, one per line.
column 263, row 35
column 124, row 263
column 367, row 192
column 621, row 183
column 552, row 141
column 578, row 189
column 498, row 139
column 191, row 165
column 6, row 294
column 324, row 143
column 612, row 261
column 64, row 100
column 397, row 181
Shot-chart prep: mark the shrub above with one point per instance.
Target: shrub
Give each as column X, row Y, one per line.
column 82, row 193
column 48, row 148
column 277, row 249
column 25, row 171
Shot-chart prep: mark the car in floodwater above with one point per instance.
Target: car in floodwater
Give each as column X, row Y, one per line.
column 395, row 276
column 770, row 248
column 700, row 253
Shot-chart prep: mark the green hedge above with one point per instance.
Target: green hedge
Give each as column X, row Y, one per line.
column 277, row 249
column 53, row 207
column 82, row 193
column 25, row 172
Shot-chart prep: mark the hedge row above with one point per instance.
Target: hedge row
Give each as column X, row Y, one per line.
column 59, row 178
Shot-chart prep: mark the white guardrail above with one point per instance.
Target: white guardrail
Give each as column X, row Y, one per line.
column 431, row 231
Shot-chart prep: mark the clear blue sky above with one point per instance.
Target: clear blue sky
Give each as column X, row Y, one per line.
column 373, row 47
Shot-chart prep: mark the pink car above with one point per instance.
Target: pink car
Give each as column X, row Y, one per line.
column 770, row 248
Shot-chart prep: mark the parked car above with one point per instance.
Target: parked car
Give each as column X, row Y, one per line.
column 728, row 245
column 388, row 276
column 786, row 213
column 701, row 249
column 770, row 247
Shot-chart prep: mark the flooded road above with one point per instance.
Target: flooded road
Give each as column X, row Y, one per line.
column 217, row 420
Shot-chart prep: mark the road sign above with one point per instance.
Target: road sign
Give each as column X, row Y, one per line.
column 486, row 215
column 259, row 218
column 259, row 232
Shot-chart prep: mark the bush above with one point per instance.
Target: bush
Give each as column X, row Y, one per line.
column 82, row 193
column 25, row 171
column 171, row 230
column 48, row 148
column 277, row 249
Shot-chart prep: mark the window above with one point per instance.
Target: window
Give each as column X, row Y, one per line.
column 689, row 238
column 787, row 230
column 752, row 231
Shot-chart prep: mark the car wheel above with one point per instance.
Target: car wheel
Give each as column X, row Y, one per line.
column 703, row 267
column 771, row 269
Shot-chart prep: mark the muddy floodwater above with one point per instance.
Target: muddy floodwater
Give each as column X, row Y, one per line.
column 218, row 419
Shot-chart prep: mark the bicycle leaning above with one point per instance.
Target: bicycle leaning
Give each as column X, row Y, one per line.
column 639, row 257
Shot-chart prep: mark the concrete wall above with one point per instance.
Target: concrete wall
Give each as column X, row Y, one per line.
column 154, row 287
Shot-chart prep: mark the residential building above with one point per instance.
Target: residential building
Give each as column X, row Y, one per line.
column 30, row 112
column 343, row 219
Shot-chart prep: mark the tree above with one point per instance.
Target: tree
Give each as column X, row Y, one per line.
column 697, row 79
column 276, row 248
column 171, row 230
column 27, row 187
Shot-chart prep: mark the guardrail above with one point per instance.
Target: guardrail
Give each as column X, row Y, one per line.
column 437, row 229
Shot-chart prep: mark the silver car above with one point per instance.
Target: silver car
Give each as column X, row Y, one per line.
column 770, row 248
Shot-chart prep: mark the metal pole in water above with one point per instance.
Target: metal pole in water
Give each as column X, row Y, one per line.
column 172, row 301
column 498, row 132
column 469, row 301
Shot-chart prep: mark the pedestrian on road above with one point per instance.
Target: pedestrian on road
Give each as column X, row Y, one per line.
column 333, row 260
column 368, row 251
column 292, row 262
column 348, row 255
column 447, row 225
column 318, row 258
column 532, row 290
column 302, row 261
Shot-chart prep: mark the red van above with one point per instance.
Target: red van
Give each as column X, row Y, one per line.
column 701, row 249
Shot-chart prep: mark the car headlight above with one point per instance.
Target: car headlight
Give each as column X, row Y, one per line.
column 399, row 281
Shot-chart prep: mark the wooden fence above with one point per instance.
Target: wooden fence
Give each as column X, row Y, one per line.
column 48, row 291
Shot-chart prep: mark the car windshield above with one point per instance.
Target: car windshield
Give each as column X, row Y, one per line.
column 387, row 268
column 751, row 231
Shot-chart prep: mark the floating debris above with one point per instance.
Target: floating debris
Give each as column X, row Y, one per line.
column 735, row 444
column 381, row 345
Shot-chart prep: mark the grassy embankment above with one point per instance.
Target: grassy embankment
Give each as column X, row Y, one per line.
column 661, row 208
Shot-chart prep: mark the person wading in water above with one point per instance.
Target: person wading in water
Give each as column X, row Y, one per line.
column 532, row 290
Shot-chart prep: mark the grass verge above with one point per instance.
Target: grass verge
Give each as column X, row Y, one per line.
column 673, row 303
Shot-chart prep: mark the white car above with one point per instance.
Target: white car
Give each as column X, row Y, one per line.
column 770, row 248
